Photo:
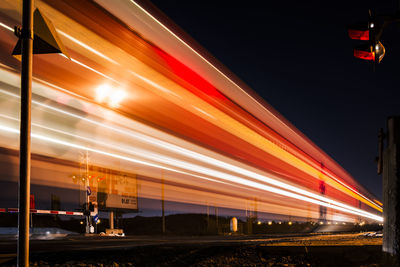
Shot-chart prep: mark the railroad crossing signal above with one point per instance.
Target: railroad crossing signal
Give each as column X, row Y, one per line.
column 370, row 32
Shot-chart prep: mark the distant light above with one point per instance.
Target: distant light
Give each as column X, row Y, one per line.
column 329, row 222
column 371, row 25
column 47, row 232
column 321, row 223
column 81, row 222
column 290, row 223
column 269, row 223
column 259, row 222
column 280, row 222
column 98, row 221
column 377, row 47
column 336, row 222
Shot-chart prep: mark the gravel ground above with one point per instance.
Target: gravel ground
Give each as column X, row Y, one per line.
column 312, row 251
column 254, row 255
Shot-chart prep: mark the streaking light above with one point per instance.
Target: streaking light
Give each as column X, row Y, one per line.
column 6, row 27
column 205, row 159
column 234, row 179
column 363, row 198
column 87, row 47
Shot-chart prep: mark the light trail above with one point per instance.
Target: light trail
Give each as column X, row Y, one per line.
column 6, row 27
column 196, row 156
column 188, row 166
column 90, row 68
column 94, row 51
column 248, row 95
column 167, row 90
column 234, row 179
column 155, row 85
column 77, row 61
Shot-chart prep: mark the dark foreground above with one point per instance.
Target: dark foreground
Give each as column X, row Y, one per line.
column 312, row 250
column 236, row 255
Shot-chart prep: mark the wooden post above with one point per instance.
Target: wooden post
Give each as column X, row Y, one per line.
column 391, row 194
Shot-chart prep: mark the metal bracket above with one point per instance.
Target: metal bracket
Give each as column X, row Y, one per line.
column 23, row 33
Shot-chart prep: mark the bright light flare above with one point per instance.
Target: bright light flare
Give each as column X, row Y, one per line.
column 105, row 93
column 116, row 98
column 102, row 92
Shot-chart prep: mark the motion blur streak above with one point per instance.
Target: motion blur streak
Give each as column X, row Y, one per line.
column 312, row 171
column 87, row 47
column 140, row 116
column 205, row 171
column 197, row 156
column 7, row 27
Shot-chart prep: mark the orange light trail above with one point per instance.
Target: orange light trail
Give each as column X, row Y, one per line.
column 173, row 114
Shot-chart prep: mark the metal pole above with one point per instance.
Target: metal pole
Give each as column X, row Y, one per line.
column 111, row 219
column 162, row 203
column 88, row 223
column 25, row 133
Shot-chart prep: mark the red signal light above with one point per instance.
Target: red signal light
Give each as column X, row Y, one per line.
column 359, row 34
column 366, row 55
column 369, row 52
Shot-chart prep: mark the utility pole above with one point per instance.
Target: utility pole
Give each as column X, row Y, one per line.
column 26, row 38
column 390, row 162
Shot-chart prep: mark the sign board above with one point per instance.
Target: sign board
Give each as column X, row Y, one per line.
column 122, row 202
column 122, row 192
column 115, row 189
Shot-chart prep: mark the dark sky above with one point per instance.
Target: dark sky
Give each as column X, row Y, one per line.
column 298, row 57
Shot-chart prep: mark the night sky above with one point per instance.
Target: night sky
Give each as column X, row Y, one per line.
column 298, row 57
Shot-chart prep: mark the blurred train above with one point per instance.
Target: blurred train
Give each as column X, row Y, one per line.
column 139, row 113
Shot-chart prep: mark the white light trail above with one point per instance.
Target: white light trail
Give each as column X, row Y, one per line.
column 91, row 69
column 203, row 158
column 6, row 27
column 207, row 171
column 243, row 91
column 155, row 85
column 94, row 51
column 74, row 60
column 203, row 112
